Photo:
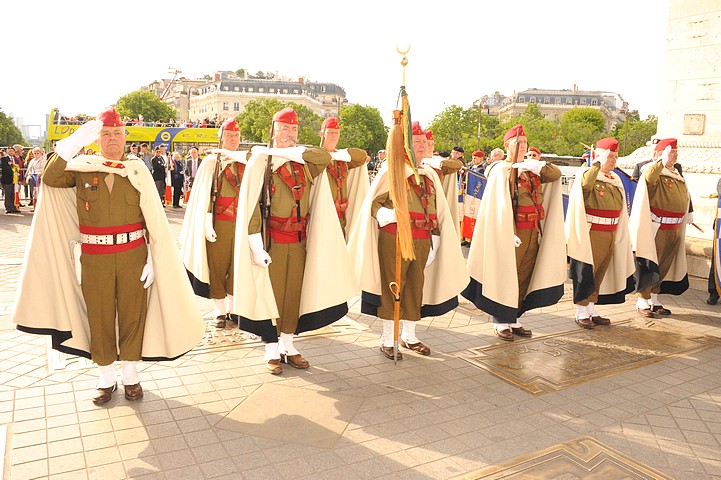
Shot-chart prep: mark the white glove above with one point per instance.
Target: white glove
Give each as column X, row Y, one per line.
column 517, row 241
column 689, row 218
column 385, row 216
column 257, row 254
column 435, row 244
column 533, row 166
column 148, row 275
column 341, row 155
column 86, row 134
column 291, row 153
column 76, row 251
column 210, row 234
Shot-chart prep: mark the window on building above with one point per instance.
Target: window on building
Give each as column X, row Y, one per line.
column 546, row 100
column 322, row 88
column 594, row 102
column 271, row 90
column 250, row 89
column 236, row 89
column 583, row 101
column 569, row 101
column 559, row 101
column 533, row 100
column 296, row 91
column 261, row 89
column 225, row 106
column 226, row 88
column 236, row 106
column 285, row 90
column 521, row 99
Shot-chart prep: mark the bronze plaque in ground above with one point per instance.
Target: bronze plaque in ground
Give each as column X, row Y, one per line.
column 583, row 457
column 553, row 362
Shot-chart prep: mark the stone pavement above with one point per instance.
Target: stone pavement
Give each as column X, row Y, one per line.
column 426, row 418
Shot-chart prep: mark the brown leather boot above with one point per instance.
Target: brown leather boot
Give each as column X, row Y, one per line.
column 102, row 396
column 295, row 361
column 133, row 392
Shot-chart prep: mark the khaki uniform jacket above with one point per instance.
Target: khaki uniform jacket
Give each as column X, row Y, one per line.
column 173, row 323
column 492, row 258
column 618, row 280
column 665, row 189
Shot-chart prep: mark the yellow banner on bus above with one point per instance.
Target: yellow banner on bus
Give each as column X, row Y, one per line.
column 150, row 135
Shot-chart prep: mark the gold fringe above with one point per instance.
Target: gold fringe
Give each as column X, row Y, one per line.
column 398, row 189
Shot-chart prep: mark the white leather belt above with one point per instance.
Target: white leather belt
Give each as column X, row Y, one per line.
column 117, row 239
column 666, row 220
column 601, row 220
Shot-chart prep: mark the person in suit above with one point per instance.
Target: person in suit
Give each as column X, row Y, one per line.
column 176, row 167
column 158, row 170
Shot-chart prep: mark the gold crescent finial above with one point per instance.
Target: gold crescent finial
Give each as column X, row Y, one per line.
column 403, row 52
column 404, row 60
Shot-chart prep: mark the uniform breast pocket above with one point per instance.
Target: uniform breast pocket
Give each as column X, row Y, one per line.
column 133, row 213
column 88, row 205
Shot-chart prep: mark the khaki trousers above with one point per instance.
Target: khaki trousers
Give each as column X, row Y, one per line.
column 111, row 284
column 286, row 277
column 602, row 250
column 220, row 259
column 412, row 277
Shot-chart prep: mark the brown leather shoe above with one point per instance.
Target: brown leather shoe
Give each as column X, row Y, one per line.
column 133, row 392
column 417, row 347
column 273, row 367
column 295, row 361
column 388, row 352
column 585, row 323
column 659, row 310
column 521, row 331
column 601, row 320
column 505, row 334
column 645, row 312
column 103, row 395
column 219, row 321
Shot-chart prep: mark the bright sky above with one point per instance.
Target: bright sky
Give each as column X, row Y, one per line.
column 81, row 56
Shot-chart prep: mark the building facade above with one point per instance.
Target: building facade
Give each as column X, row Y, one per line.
column 554, row 103
column 227, row 94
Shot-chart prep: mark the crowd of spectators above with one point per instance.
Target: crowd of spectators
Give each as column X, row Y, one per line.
column 20, row 172
column 206, row 122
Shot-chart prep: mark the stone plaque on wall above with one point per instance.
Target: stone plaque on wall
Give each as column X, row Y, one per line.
column 694, row 123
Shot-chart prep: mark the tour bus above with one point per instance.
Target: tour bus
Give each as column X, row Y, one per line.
column 179, row 139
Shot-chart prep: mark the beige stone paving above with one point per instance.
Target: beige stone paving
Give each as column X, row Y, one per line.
column 427, row 418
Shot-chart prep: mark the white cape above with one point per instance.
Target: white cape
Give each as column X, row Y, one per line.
column 173, row 323
column 444, row 278
column 616, row 281
column 193, row 249
column 492, row 256
column 328, row 280
column 643, row 241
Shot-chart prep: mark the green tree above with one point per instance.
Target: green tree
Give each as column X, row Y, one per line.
column 634, row 133
column 362, row 127
column 9, row 133
column 241, row 72
column 577, row 127
column 456, row 126
column 146, row 104
column 539, row 130
column 256, row 119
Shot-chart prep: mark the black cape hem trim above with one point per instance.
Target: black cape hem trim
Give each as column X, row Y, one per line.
column 58, row 337
column 474, row 293
column 581, row 274
column 199, row 288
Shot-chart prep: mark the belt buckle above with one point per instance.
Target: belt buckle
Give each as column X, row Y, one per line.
column 120, row 238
